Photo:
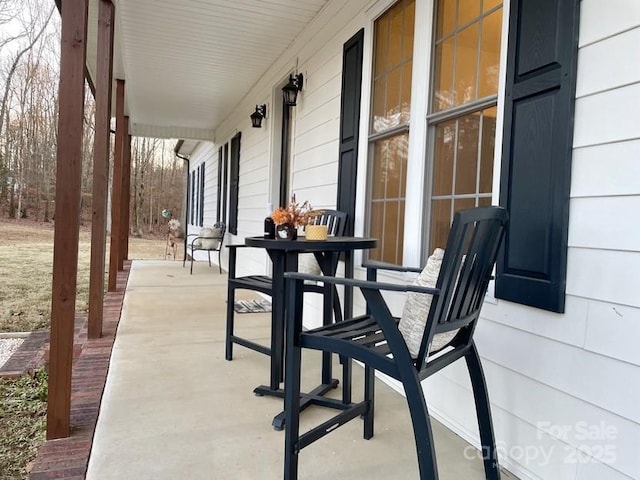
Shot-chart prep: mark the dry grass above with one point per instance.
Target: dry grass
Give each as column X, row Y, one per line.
column 26, row 263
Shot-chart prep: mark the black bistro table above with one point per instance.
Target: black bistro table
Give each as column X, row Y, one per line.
column 284, row 255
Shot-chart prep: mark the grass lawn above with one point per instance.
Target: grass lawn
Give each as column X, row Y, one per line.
column 26, row 262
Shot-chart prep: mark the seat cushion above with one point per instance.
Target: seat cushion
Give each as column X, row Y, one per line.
column 209, row 238
column 417, row 305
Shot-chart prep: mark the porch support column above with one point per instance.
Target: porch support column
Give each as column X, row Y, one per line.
column 115, row 253
column 126, row 191
column 67, row 214
column 104, row 72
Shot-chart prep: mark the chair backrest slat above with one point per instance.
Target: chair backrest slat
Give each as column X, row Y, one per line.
column 335, row 220
column 469, row 258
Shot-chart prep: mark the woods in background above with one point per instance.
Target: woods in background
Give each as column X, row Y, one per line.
column 29, row 66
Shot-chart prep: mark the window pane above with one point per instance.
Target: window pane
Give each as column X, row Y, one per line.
column 489, row 4
column 395, row 37
column 484, row 201
column 468, row 10
column 381, row 45
column 387, row 196
column 440, row 223
column 467, row 155
column 393, row 68
column 466, row 65
column 379, row 91
column 487, row 150
column 443, row 91
column 377, row 223
column 405, row 94
column 392, row 112
column 490, row 54
column 378, row 183
column 446, row 18
column 443, row 160
column 463, row 204
column 391, row 238
column 409, row 20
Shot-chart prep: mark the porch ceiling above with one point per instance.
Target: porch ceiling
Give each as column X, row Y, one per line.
column 187, row 63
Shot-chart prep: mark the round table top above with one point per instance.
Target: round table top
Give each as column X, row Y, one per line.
column 301, row 244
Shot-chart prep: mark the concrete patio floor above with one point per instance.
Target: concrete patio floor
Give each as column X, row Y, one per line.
column 173, row 408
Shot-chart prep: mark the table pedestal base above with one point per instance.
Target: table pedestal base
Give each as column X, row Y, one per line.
column 306, row 399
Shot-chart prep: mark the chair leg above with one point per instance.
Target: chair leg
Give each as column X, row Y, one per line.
column 191, row 271
column 231, row 294
column 209, row 255
column 483, row 413
column 219, row 262
column 369, row 397
column 292, row 412
column 421, row 425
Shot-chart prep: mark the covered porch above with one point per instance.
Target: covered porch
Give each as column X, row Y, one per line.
column 173, row 407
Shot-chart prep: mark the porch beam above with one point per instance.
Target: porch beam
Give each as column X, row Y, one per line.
column 115, row 254
column 73, row 52
column 126, row 191
column 104, row 74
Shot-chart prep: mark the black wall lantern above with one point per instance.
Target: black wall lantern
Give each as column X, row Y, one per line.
column 291, row 89
column 258, row 115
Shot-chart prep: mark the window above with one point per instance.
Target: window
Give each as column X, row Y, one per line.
column 463, row 110
column 389, row 129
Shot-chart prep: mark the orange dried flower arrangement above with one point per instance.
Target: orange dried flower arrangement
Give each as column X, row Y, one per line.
column 294, row 214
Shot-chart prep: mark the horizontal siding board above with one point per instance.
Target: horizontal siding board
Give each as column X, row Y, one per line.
column 321, row 155
column 317, row 136
column 605, row 170
column 606, row 64
column 574, row 371
column 610, row 116
column 600, row 19
column 567, row 328
column 603, row 222
column 604, row 275
column 614, row 330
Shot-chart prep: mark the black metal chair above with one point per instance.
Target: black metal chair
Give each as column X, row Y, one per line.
column 209, row 243
column 375, row 340
column 335, row 221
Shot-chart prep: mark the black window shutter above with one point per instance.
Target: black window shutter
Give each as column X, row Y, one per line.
column 202, row 195
column 219, row 192
column 349, row 126
column 536, row 154
column 225, row 179
column 234, row 181
column 193, row 196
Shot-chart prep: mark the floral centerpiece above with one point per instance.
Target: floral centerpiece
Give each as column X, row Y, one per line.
column 294, row 215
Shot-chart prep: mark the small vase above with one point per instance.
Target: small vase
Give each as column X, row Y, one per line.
column 286, row 231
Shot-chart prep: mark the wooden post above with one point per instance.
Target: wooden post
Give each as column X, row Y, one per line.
column 126, row 191
column 104, row 72
column 67, row 214
column 115, row 255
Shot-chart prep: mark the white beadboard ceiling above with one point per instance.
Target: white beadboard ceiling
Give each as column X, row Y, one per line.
column 188, row 63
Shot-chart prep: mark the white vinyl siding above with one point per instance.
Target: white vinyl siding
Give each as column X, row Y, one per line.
column 542, row 368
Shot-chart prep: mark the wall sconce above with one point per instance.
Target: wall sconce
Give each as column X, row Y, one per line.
column 258, row 115
column 291, row 89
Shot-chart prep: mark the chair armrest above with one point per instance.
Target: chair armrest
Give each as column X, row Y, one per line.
column 350, row 282
column 373, row 265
